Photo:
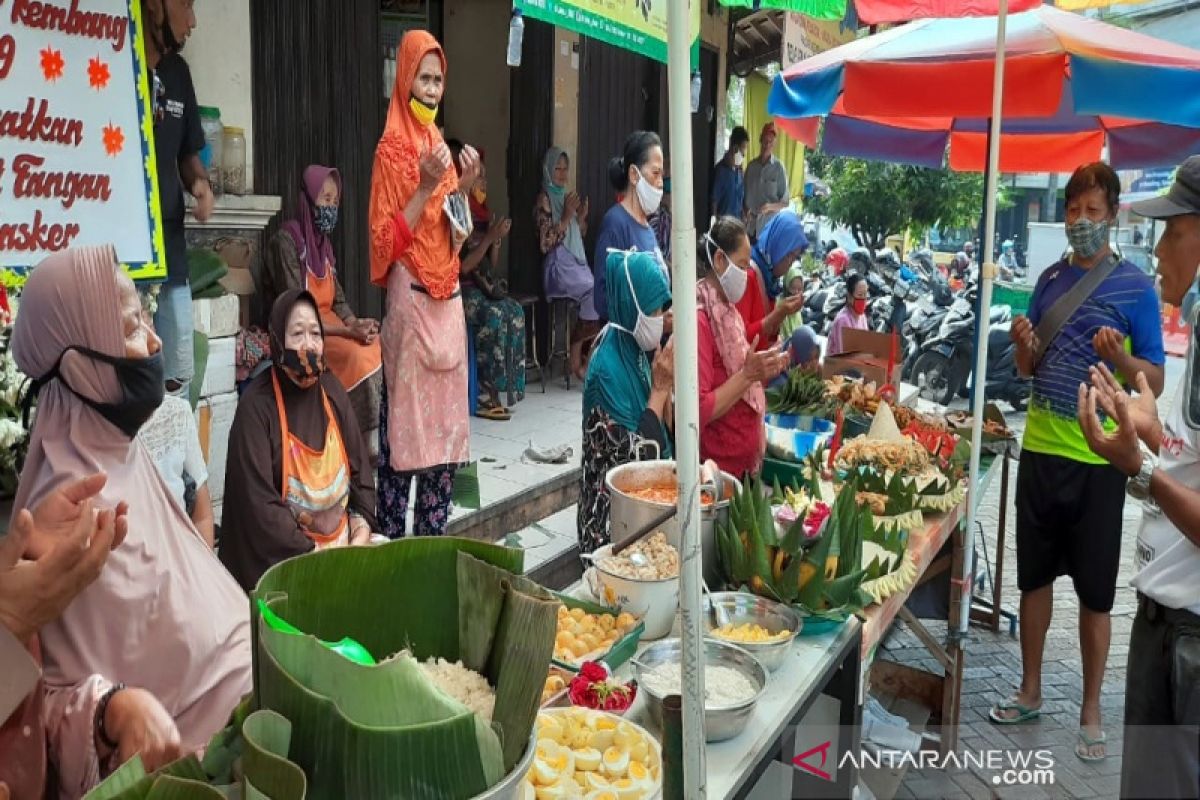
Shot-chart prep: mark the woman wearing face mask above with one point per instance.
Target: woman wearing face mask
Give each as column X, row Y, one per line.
column 853, row 315
column 626, row 397
column 561, row 217
column 300, row 256
column 637, row 177
column 153, row 656
column 299, row 474
column 732, row 372
column 419, row 221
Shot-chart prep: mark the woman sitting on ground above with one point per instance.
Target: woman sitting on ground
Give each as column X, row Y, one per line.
column 300, row 256
column 498, row 320
column 626, row 401
column 732, row 373
column 299, row 475
column 164, row 618
column 562, row 221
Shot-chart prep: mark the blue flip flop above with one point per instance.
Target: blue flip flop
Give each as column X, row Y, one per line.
column 1083, row 743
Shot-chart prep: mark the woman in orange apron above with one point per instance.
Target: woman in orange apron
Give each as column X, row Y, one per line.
column 299, row 475
column 300, row 256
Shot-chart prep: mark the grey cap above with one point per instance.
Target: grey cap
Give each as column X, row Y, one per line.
column 1182, row 198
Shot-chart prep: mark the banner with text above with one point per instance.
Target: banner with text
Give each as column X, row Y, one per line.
column 640, row 25
column 804, row 37
column 76, row 135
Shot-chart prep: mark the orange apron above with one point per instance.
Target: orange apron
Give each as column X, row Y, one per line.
column 349, row 360
column 316, row 483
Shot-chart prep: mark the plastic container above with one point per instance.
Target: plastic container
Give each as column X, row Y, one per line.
column 516, row 36
column 214, row 145
column 233, row 161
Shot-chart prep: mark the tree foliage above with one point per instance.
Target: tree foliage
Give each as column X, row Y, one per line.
column 875, row 200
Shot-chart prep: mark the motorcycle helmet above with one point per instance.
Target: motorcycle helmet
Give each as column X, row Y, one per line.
column 888, row 256
column 838, row 259
column 1006, row 245
column 860, row 261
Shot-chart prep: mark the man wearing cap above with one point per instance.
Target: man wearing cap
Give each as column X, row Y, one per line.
column 1161, row 755
column 766, row 184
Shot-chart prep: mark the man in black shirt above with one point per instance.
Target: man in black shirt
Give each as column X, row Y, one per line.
column 178, row 140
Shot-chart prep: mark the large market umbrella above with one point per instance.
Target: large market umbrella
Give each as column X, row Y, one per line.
column 878, row 12
column 1064, row 68
column 1072, row 85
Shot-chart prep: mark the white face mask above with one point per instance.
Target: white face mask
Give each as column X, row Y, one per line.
column 738, row 159
column 649, row 196
column 648, row 332
column 733, row 279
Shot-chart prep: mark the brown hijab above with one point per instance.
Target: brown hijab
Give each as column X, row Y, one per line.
column 258, row 530
column 163, row 615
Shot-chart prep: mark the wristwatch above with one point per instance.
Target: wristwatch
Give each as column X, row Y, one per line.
column 1139, row 485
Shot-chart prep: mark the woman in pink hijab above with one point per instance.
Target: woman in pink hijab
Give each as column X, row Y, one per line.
column 152, row 657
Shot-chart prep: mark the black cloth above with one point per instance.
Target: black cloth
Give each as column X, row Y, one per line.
column 258, row 528
column 1069, row 517
column 1161, row 752
column 177, row 136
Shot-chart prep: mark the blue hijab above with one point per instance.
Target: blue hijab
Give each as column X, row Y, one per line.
column 783, row 234
column 618, row 376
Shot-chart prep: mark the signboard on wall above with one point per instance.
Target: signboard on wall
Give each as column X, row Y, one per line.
column 804, row 37
column 76, row 135
column 637, row 25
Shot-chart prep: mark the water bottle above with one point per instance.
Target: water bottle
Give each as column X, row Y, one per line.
column 697, row 85
column 516, row 34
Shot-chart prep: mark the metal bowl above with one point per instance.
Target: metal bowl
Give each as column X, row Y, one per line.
column 720, row 723
column 743, row 607
column 509, row 787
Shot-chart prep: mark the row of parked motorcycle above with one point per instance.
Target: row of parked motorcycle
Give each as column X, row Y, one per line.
column 936, row 322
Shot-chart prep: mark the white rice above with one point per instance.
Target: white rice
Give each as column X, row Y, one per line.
column 464, row 685
column 723, row 686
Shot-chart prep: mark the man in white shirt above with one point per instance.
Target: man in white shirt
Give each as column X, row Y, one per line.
column 766, row 184
column 1161, row 756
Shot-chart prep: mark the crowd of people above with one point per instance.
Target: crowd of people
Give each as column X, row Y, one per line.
column 112, row 547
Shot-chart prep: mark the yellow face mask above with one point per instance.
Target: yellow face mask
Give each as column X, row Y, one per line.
column 423, row 113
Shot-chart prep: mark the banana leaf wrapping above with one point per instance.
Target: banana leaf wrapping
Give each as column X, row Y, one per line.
column 385, row 731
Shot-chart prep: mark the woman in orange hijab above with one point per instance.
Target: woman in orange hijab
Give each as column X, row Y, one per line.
column 419, row 221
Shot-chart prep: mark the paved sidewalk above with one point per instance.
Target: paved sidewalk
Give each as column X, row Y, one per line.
column 993, row 672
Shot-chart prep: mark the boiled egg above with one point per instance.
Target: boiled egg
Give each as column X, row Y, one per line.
column 587, row 759
column 628, row 790
column 616, row 761
column 603, row 794
column 594, row 781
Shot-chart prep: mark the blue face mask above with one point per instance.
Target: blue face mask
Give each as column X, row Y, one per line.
column 325, row 219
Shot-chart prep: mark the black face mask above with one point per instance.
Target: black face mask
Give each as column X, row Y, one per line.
column 141, row 381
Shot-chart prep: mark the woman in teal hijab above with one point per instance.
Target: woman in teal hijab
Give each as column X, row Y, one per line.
column 626, row 396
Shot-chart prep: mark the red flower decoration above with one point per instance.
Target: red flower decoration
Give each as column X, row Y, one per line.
column 98, row 74
column 114, row 139
column 52, row 64
column 593, row 688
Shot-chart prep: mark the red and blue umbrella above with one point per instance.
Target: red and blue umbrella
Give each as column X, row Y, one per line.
column 916, row 93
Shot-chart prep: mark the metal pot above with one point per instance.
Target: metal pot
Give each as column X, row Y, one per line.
column 628, row 514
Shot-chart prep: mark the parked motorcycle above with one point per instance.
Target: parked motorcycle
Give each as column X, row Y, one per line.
column 943, row 363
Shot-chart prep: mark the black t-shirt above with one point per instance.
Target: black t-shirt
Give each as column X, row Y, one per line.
column 177, row 135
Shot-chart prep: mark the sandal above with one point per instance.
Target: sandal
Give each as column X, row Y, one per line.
column 1024, row 713
column 1084, row 743
column 495, row 413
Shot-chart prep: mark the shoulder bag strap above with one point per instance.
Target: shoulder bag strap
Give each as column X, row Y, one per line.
column 1063, row 308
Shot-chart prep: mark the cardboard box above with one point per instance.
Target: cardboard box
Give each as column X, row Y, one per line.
column 216, row 317
column 866, row 353
column 220, row 376
column 204, row 426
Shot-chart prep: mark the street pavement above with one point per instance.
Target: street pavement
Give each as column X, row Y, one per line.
column 993, row 672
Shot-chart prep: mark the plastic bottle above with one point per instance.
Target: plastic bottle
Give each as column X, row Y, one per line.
column 211, row 155
column 516, row 35
column 697, row 85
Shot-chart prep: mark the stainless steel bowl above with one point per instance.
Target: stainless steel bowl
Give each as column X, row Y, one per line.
column 720, row 723
column 509, row 787
column 743, row 607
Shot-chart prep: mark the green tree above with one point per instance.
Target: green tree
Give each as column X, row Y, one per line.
column 875, row 200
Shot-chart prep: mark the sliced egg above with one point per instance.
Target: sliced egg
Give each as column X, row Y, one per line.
column 616, row 761
column 626, row 736
column 639, row 750
column 587, row 759
column 628, row 790
column 602, row 739
column 639, row 773
column 547, row 749
column 594, row 781
column 528, row 791
column 556, row 792
column 603, row 794
column 606, row 723
column 546, row 773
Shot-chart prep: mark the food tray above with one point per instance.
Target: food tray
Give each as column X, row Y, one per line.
column 562, row 696
column 792, row 438
column 620, row 652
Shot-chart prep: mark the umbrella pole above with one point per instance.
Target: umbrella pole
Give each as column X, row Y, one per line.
column 987, row 273
column 687, row 394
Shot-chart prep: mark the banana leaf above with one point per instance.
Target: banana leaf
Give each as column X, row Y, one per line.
column 266, row 772
column 130, row 781
column 810, row 596
column 386, row 731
